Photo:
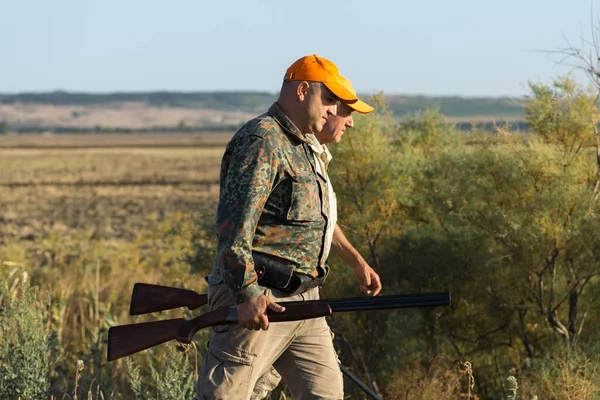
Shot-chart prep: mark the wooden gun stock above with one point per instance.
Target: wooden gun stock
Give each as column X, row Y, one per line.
column 124, row 340
column 147, row 298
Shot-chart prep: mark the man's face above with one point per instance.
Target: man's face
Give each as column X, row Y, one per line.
column 322, row 104
column 336, row 125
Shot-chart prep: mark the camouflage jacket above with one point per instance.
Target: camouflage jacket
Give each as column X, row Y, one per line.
column 272, row 201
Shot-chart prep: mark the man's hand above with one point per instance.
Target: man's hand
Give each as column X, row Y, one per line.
column 370, row 283
column 252, row 314
column 368, row 278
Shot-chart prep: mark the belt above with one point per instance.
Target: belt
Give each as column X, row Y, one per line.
column 280, row 274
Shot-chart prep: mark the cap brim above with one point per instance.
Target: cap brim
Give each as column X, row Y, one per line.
column 340, row 91
column 360, row 106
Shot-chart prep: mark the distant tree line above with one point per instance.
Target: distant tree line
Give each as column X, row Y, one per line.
column 456, row 106
column 5, row 128
column 450, row 106
column 30, row 129
column 213, row 100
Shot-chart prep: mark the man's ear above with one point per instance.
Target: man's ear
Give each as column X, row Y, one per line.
column 302, row 90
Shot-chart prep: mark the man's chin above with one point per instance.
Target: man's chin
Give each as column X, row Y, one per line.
column 317, row 128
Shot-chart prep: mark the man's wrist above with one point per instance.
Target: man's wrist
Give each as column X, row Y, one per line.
column 247, row 293
column 360, row 264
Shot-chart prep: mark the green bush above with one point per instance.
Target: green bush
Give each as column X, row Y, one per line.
column 25, row 341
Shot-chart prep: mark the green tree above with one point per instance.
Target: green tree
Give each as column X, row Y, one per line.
column 507, row 227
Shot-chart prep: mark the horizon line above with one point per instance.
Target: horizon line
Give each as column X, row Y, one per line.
column 260, row 92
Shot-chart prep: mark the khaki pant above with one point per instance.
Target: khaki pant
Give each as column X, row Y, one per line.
column 300, row 351
column 266, row 384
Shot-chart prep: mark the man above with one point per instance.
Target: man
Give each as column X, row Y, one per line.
column 275, row 205
column 332, row 132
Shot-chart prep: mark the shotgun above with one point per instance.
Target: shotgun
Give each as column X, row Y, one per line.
column 124, row 340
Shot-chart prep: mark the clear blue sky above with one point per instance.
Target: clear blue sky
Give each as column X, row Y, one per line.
column 459, row 47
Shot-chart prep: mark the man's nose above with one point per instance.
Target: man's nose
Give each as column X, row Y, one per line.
column 350, row 122
column 332, row 110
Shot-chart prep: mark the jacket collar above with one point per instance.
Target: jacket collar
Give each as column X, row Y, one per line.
column 286, row 124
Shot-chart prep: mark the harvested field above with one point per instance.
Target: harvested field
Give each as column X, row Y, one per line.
column 112, row 140
column 77, row 187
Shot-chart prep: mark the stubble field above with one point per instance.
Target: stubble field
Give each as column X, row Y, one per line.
column 113, row 191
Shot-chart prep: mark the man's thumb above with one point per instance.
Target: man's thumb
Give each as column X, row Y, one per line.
column 275, row 307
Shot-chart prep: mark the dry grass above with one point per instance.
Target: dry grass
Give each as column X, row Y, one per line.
column 439, row 378
column 111, row 166
column 108, row 140
column 572, row 376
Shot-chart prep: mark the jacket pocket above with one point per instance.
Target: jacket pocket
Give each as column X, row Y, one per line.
column 305, row 200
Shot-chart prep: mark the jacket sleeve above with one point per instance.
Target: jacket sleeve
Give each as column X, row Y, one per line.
column 247, row 178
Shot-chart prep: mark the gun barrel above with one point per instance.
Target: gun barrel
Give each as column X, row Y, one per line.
column 390, row 301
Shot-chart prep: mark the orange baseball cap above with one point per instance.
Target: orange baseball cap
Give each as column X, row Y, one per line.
column 358, row 105
column 317, row 69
